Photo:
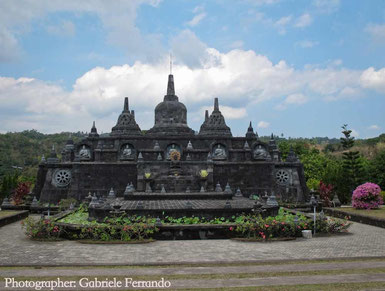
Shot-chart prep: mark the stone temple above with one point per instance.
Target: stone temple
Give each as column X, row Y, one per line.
column 171, row 165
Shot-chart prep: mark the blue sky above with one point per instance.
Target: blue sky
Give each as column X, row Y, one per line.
column 298, row 67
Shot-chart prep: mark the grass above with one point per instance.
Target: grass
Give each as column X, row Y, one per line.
column 275, row 262
column 224, row 276
column 4, row 213
column 378, row 213
column 308, row 287
column 214, row 276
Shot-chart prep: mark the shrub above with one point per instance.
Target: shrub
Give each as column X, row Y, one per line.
column 21, row 191
column 136, row 231
column 41, row 228
column 367, row 196
column 325, row 191
column 66, row 203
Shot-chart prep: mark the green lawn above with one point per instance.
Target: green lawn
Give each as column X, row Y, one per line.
column 379, row 213
column 4, row 213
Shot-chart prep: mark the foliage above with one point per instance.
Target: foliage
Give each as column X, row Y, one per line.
column 21, row 191
column 367, row 196
column 282, row 225
column 312, row 183
column 8, row 184
column 377, row 169
column 332, row 225
column 41, row 228
column 66, row 203
column 326, row 193
column 351, row 159
column 136, row 231
column 24, row 150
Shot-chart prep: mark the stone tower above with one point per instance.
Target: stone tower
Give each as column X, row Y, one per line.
column 170, row 115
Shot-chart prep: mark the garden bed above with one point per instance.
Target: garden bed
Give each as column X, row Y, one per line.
column 75, row 225
column 375, row 217
column 9, row 216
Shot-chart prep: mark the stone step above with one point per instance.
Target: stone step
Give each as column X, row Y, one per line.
column 179, row 196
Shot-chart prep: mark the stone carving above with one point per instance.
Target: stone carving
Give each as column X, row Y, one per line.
column 239, row 160
column 172, row 148
column 260, row 153
column 228, row 189
column 156, row 146
column 238, row 193
column 111, row 194
column 215, row 123
column 282, row 177
column 219, row 152
column 127, row 153
column 189, row 145
column 85, row 153
column 218, row 188
column 61, row 178
column 126, row 124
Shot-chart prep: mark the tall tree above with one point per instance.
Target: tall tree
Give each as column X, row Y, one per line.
column 351, row 165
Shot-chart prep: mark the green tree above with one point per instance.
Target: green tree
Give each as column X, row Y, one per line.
column 376, row 169
column 352, row 162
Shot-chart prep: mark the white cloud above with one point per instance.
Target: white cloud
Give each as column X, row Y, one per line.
column 293, row 99
column 189, row 49
column 199, row 8
column 281, row 23
column 240, row 78
column 372, row 79
column 263, row 124
column 374, row 127
column 327, row 6
column 196, row 19
column 376, row 31
column 9, row 47
column 307, row 43
column 227, row 111
column 117, row 17
column 304, row 20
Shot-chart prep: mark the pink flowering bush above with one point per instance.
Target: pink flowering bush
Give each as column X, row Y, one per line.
column 367, row 196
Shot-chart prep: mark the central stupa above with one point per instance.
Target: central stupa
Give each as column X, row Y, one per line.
column 170, row 115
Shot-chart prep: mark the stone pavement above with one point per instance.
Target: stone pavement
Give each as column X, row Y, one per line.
column 16, row 249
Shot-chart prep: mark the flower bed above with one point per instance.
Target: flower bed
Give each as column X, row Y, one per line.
column 76, row 226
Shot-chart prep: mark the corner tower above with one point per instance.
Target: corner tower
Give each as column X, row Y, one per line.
column 170, row 115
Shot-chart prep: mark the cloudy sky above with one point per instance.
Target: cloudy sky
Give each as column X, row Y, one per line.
column 298, row 67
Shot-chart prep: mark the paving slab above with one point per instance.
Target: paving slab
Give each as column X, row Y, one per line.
column 18, row 250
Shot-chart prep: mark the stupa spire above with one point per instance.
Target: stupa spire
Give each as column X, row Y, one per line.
column 126, row 108
column 250, row 131
column 216, row 104
column 206, row 115
column 170, row 85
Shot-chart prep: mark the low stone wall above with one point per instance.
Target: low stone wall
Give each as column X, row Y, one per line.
column 355, row 217
column 178, row 232
column 13, row 217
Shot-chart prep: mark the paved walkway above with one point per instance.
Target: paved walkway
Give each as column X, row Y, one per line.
column 16, row 249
